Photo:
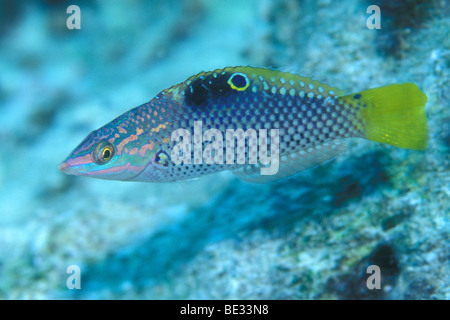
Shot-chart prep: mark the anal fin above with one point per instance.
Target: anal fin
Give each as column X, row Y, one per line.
column 293, row 163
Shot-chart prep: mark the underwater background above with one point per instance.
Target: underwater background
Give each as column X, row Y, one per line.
column 308, row 237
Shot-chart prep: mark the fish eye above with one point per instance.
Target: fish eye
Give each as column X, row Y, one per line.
column 103, row 152
column 239, row 81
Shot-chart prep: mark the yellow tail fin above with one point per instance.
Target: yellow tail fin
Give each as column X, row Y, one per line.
column 395, row 114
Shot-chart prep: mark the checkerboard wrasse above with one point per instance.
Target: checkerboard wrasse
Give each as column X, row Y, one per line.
column 313, row 120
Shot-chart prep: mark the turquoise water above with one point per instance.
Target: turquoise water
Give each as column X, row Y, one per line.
column 309, row 237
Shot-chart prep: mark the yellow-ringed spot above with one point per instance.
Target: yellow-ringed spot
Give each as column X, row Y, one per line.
column 103, row 152
column 239, row 81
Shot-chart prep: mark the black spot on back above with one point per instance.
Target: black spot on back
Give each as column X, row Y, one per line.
column 207, row 90
column 357, row 96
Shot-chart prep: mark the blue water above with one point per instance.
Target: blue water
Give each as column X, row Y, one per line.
column 309, row 237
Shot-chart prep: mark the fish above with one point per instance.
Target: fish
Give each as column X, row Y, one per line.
column 309, row 122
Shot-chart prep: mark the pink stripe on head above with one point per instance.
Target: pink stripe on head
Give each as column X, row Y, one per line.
column 120, row 146
column 78, row 161
column 133, row 151
column 145, row 147
column 125, row 167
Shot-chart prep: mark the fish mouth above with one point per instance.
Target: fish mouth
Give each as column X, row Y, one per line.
column 67, row 169
column 74, row 165
column 63, row 166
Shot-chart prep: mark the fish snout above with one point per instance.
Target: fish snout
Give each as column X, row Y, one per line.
column 67, row 169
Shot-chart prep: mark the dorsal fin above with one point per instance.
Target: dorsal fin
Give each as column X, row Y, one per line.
column 212, row 89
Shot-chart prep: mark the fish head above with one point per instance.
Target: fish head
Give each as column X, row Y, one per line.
column 118, row 151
